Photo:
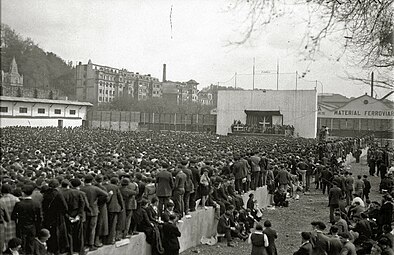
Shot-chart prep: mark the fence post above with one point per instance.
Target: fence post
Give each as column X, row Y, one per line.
column 110, row 120
column 130, row 121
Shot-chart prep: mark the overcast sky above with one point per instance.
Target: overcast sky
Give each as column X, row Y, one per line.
column 137, row 35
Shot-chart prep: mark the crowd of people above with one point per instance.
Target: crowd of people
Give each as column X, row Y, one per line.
column 69, row 190
column 358, row 226
column 238, row 126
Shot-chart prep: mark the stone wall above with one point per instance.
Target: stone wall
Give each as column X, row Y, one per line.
column 201, row 224
column 15, row 91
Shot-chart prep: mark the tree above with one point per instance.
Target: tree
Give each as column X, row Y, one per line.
column 50, row 94
column 366, row 28
column 19, row 93
column 35, row 93
column 39, row 68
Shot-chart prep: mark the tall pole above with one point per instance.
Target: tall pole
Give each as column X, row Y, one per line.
column 372, row 84
column 277, row 74
column 235, row 80
column 296, row 79
column 254, row 62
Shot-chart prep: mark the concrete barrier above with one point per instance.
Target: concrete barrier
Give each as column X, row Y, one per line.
column 201, row 224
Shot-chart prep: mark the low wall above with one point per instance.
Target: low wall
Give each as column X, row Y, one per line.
column 202, row 223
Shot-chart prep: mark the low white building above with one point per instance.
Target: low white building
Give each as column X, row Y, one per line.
column 35, row 112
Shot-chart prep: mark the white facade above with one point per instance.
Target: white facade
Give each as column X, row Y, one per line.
column 298, row 107
column 18, row 111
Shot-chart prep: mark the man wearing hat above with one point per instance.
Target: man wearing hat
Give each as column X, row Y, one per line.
column 75, row 214
column 320, row 242
column 334, row 197
column 164, row 186
column 306, row 247
column 93, row 194
column 128, row 191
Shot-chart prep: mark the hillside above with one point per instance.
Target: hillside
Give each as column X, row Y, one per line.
column 40, row 69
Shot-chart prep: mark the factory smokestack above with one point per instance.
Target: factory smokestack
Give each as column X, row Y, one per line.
column 164, row 72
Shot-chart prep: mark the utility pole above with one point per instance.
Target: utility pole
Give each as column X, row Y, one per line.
column 254, row 62
column 372, row 84
column 235, row 80
column 277, row 74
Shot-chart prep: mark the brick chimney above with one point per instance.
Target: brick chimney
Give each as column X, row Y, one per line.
column 164, row 72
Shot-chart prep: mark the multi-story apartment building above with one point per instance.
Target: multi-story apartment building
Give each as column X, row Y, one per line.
column 180, row 92
column 102, row 84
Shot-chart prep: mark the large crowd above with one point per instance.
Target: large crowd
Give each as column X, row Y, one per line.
column 69, row 190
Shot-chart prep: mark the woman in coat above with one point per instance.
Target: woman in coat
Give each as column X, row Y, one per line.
column 259, row 241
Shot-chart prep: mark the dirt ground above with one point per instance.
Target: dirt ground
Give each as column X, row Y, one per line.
column 290, row 221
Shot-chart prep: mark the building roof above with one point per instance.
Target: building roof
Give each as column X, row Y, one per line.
column 263, row 113
column 192, row 82
column 45, row 101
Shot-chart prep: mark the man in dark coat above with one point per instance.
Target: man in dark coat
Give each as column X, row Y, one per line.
column 164, row 186
column 272, row 235
column 170, row 238
column 326, row 178
column 75, row 215
column 367, row 187
column 224, row 227
column 334, row 197
column 239, row 172
column 179, row 191
column 196, row 183
column 306, row 247
column 128, row 191
column 93, row 194
column 115, row 205
column 54, row 208
column 320, row 242
column 28, row 217
column 189, row 186
column 386, row 211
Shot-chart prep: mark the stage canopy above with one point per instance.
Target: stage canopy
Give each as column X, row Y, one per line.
column 263, row 118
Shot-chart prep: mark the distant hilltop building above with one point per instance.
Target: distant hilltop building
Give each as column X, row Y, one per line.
column 102, row 84
column 12, row 86
column 12, row 78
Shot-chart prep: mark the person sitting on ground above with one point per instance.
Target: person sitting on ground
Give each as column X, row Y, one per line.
column 306, row 247
column 348, row 247
column 224, row 227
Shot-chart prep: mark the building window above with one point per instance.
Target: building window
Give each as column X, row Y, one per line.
column 100, row 99
column 41, row 110
column 72, row 112
column 101, row 90
column 106, row 92
column 22, row 109
column 3, row 109
column 58, row 111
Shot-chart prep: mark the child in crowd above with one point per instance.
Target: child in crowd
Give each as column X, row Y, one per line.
column 39, row 243
column 14, row 245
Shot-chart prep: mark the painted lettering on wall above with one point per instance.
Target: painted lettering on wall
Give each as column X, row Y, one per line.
column 364, row 113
